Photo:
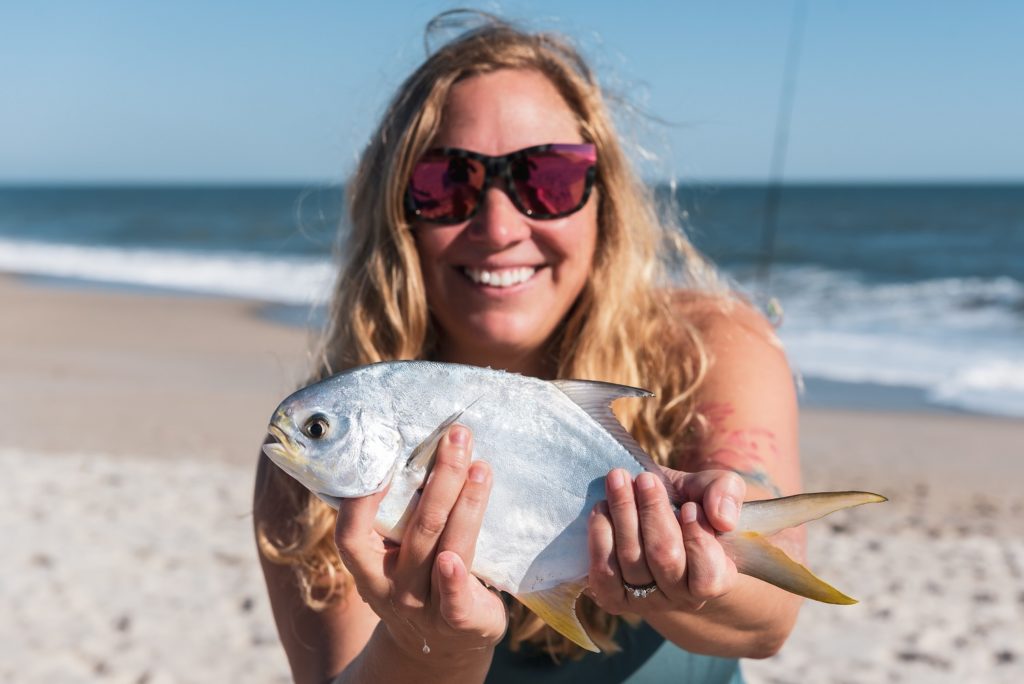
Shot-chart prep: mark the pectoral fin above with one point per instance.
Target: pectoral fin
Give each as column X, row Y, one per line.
column 557, row 607
column 422, row 457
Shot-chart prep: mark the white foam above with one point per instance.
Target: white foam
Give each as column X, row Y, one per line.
column 284, row 279
column 993, row 387
column 960, row 340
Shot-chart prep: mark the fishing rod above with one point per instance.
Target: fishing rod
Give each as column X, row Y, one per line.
column 770, row 221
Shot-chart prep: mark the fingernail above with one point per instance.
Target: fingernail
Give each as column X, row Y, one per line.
column 728, row 510
column 616, row 479
column 458, row 435
column 478, row 472
column 688, row 513
column 645, row 481
column 446, row 566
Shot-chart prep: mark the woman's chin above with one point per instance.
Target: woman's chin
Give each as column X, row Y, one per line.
column 512, row 348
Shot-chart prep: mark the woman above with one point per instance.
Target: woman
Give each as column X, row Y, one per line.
column 496, row 222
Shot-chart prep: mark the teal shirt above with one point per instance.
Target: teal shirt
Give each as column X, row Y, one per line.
column 645, row 657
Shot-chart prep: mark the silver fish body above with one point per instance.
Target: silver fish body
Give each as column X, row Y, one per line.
column 549, row 446
column 548, row 456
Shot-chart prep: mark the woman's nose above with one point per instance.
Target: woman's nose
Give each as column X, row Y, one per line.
column 498, row 223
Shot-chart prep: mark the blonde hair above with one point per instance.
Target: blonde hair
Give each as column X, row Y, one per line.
column 625, row 326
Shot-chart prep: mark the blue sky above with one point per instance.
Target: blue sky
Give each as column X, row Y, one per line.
column 259, row 91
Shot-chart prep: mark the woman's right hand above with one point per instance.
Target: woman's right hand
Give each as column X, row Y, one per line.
column 432, row 609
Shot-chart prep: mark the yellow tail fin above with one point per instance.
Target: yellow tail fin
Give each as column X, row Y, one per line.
column 756, row 556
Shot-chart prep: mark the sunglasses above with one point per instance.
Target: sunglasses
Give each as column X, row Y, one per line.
column 543, row 182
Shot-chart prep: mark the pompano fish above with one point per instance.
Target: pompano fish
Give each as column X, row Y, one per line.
column 550, row 446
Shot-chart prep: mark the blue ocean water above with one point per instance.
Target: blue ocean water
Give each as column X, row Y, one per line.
column 916, row 287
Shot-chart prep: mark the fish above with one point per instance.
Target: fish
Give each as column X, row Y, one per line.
column 549, row 444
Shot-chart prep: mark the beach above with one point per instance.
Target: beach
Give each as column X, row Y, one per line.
column 130, row 427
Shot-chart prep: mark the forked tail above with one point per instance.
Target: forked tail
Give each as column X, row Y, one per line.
column 754, row 555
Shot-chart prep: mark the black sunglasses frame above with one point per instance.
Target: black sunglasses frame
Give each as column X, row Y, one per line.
column 495, row 167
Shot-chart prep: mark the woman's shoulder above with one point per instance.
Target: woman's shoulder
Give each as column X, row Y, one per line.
column 723, row 319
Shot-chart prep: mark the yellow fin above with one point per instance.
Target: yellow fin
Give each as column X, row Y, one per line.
column 772, row 515
column 756, row 556
column 557, row 607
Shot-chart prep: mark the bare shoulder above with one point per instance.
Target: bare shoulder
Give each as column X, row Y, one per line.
column 728, row 324
column 747, row 397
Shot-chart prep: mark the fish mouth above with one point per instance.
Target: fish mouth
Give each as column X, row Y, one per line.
column 281, row 449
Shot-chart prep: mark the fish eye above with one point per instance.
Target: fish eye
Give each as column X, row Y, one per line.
column 316, row 427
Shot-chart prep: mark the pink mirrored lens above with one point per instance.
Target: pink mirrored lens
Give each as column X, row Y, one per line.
column 445, row 187
column 553, row 181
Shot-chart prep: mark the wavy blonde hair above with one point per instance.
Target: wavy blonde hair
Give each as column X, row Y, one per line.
column 625, row 326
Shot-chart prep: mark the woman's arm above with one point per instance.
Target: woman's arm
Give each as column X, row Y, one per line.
column 318, row 643
column 702, row 604
column 403, row 598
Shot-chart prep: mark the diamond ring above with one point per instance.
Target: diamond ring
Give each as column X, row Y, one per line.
column 640, row 591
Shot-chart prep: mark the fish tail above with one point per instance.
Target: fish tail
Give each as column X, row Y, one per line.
column 757, row 557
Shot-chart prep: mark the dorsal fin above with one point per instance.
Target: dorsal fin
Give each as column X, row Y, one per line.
column 595, row 398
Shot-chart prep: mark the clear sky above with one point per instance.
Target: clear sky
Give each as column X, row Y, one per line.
column 288, row 91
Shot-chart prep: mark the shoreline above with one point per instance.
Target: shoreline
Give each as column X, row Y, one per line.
column 128, row 374
column 815, row 393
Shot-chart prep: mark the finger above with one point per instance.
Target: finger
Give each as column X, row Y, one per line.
column 360, row 547
column 604, row 580
column 440, row 492
column 720, row 494
column 626, row 526
column 455, row 596
column 464, row 603
column 723, row 499
column 707, row 567
column 466, row 517
column 663, row 542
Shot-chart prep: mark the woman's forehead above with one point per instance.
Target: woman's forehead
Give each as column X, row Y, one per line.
column 504, row 111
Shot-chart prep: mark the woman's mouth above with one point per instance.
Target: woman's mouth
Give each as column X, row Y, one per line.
column 499, row 277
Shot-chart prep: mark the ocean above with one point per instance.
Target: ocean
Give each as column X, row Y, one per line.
column 893, row 296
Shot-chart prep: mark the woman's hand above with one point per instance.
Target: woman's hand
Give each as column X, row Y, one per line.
column 636, row 537
column 432, row 608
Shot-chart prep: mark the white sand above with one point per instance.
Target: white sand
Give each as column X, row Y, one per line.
column 131, row 570
column 941, row 590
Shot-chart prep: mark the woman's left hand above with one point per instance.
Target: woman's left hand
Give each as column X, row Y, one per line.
column 637, row 538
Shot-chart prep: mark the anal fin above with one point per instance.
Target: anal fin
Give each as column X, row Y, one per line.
column 557, row 607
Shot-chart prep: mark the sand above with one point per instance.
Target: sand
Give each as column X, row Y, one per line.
column 129, row 429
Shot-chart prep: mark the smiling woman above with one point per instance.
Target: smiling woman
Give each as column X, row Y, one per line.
column 496, row 222
column 500, row 317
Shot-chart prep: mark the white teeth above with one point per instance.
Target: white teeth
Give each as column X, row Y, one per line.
column 505, row 278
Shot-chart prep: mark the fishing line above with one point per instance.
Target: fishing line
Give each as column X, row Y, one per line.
column 773, row 196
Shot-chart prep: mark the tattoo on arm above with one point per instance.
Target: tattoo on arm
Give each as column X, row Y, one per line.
column 744, row 452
